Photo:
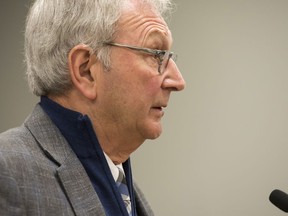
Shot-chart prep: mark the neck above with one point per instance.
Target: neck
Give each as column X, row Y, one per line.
column 115, row 141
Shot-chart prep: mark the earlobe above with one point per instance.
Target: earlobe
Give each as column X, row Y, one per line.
column 81, row 63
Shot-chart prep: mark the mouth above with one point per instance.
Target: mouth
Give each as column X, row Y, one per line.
column 158, row 108
column 157, row 111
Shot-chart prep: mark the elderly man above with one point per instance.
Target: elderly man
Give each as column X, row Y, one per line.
column 104, row 73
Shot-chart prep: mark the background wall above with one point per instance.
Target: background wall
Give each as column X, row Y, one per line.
column 225, row 142
column 15, row 100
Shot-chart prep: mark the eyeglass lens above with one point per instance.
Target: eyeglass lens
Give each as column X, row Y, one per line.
column 163, row 65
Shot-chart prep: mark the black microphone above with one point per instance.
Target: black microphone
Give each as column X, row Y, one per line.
column 279, row 199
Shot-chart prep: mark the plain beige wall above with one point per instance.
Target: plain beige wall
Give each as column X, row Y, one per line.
column 15, row 100
column 225, row 142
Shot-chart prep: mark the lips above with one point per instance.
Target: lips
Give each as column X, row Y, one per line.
column 159, row 108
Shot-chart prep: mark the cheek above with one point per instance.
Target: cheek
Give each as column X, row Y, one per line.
column 141, row 83
column 139, row 95
column 152, row 86
column 135, row 79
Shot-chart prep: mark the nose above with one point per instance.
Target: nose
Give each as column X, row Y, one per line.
column 173, row 79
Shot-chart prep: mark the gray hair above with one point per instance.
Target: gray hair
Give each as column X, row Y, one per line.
column 54, row 27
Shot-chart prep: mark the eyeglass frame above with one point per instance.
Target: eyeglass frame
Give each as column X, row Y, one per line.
column 160, row 55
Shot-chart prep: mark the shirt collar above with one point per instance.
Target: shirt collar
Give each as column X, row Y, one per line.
column 114, row 168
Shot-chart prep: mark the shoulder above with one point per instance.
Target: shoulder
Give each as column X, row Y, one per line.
column 19, row 148
column 22, row 140
column 12, row 150
column 15, row 141
column 18, row 151
column 18, row 138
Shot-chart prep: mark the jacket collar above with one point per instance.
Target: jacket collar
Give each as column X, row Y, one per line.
column 70, row 171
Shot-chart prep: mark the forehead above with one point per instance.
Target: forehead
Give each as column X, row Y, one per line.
column 140, row 22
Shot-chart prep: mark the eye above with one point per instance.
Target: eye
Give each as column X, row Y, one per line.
column 159, row 55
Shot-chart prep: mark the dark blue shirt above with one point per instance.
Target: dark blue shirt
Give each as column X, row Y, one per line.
column 79, row 133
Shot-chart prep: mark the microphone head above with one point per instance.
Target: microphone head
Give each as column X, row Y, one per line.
column 279, row 199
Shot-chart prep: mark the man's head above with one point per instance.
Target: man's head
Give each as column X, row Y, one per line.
column 54, row 27
column 109, row 60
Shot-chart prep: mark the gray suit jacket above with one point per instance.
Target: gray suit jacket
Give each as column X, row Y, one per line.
column 41, row 175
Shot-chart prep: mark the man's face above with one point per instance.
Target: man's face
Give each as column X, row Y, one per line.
column 132, row 93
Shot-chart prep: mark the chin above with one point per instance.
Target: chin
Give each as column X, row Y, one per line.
column 150, row 130
column 154, row 132
column 154, row 137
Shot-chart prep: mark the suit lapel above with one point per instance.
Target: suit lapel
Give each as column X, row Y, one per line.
column 71, row 174
column 142, row 206
column 78, row 188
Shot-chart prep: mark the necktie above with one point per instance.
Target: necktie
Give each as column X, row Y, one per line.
column 122, row 186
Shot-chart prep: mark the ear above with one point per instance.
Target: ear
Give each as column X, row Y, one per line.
column 81, row 66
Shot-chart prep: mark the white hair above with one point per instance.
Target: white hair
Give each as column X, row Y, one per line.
column 54, row 27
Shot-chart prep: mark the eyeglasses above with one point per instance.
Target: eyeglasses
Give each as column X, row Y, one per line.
column 163, row 56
